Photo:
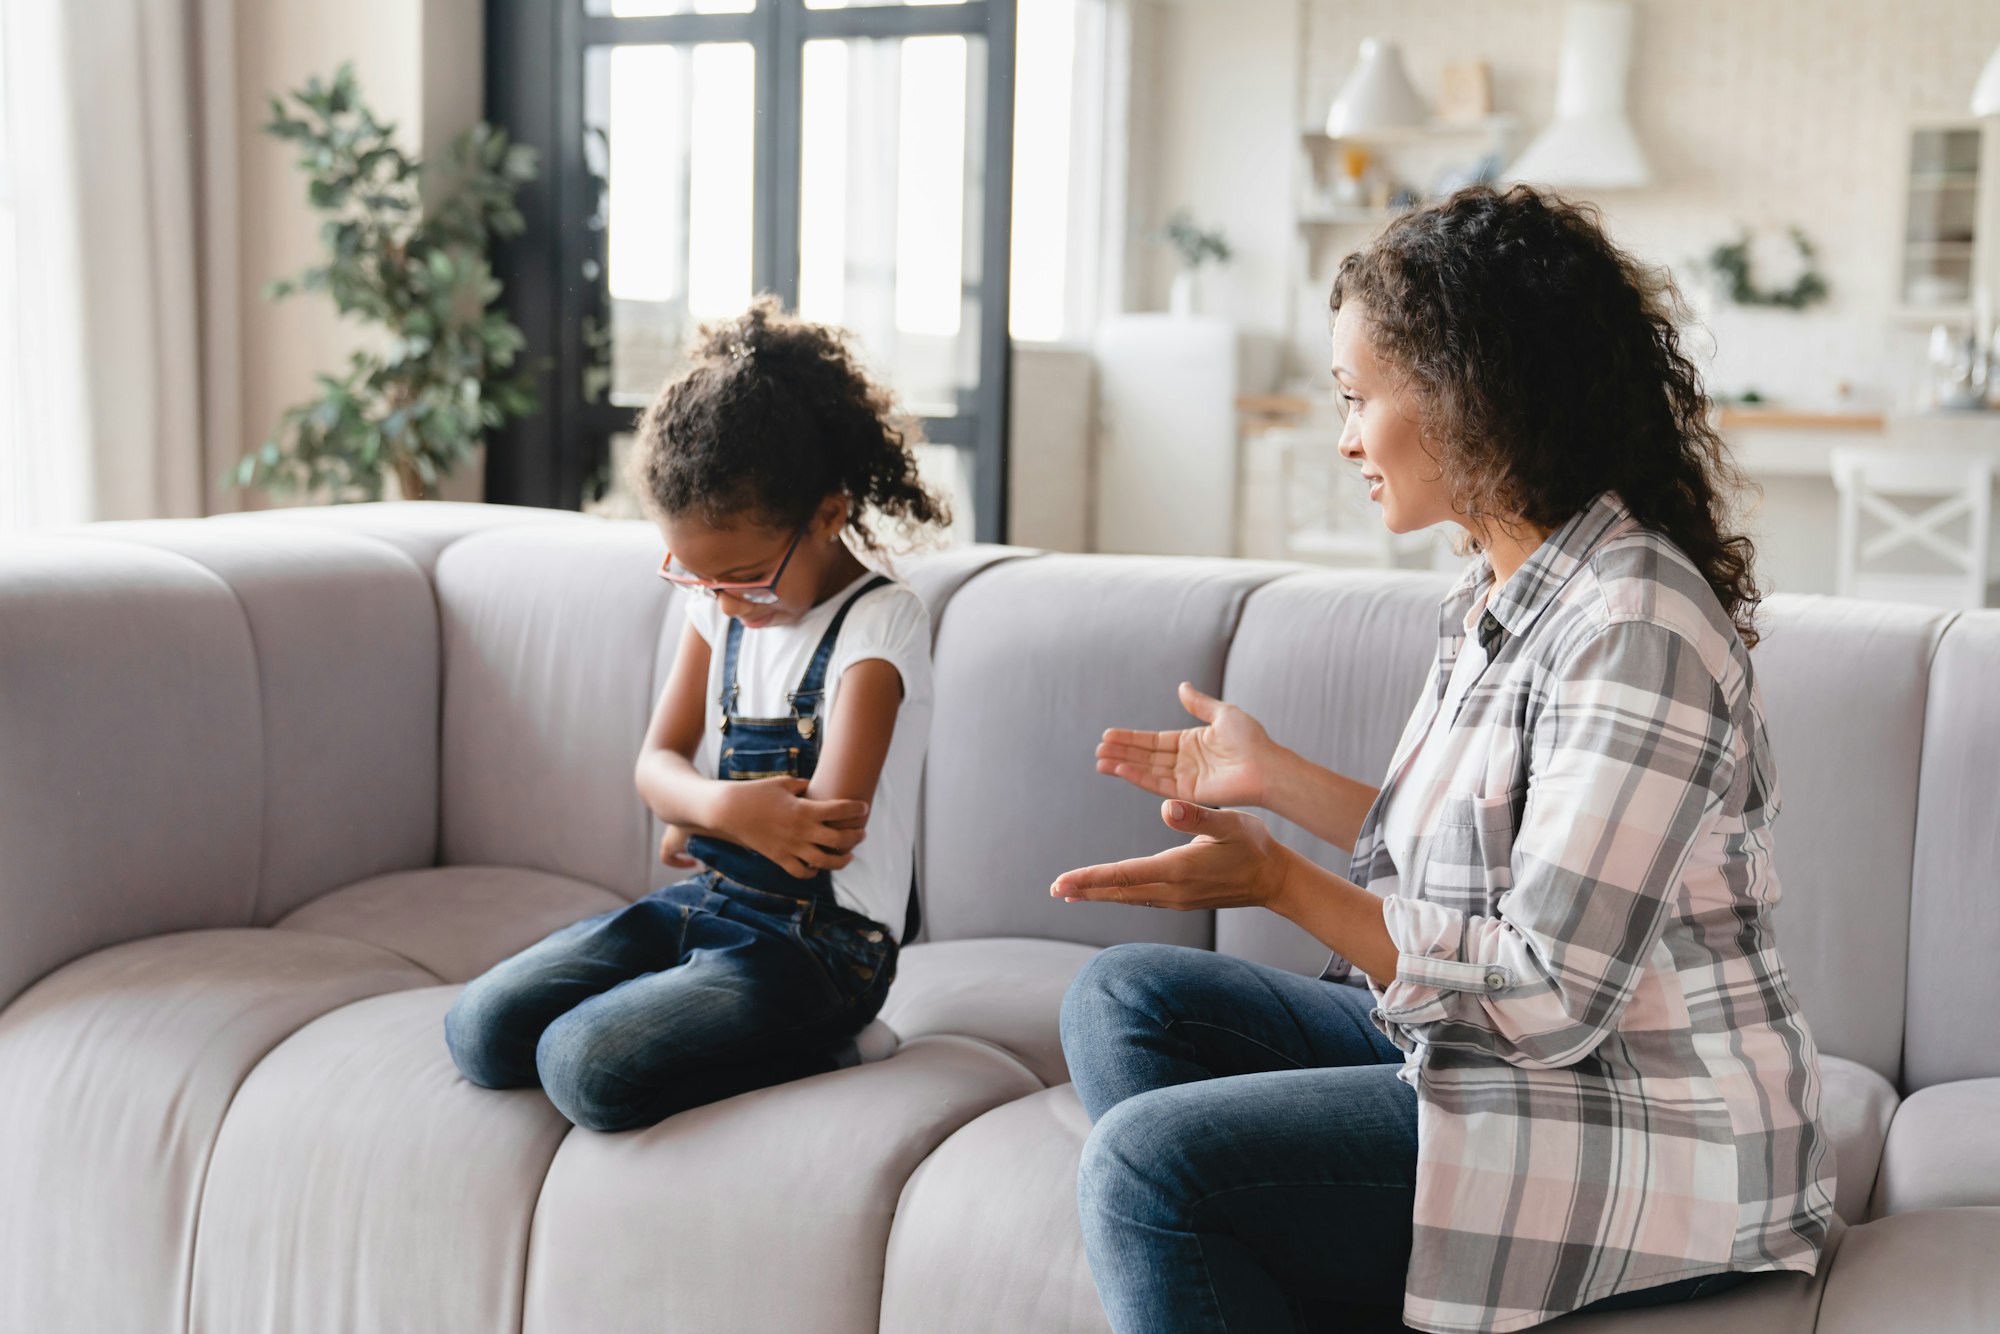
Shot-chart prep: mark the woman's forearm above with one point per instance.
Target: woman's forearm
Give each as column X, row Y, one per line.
column 1323, row 803
column 1341, row 915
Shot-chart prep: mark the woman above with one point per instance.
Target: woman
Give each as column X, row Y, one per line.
column 1577, row 1075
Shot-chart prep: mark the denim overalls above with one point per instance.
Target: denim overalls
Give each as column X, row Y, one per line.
column 737, row 978
column 786, row 747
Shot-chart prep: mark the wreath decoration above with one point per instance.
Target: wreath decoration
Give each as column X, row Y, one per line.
column 1731, row 262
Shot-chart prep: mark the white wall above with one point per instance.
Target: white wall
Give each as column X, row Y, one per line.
column 1215, row 132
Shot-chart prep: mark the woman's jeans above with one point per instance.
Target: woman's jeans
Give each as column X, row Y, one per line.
column 697, row 992
column 1253, row 1165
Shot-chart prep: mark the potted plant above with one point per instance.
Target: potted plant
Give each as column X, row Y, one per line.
column 412, row 264
column 1195, row 248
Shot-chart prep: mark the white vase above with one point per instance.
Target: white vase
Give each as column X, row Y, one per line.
column 1181, row 299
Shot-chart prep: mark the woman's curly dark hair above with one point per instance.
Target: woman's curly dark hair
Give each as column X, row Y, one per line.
column 1548, row 367
column 772, row 415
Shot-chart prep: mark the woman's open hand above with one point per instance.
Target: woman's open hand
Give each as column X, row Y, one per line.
column 1221, row 763
column 1233, row 862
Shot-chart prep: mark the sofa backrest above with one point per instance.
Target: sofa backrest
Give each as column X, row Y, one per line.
column 1845, row 686
column 1034, row 659
column 1954, row 988
column 204, row 726
column 210, row 724
column 1331, row 663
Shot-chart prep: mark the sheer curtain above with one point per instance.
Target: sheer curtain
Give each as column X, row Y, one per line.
column 117, row 352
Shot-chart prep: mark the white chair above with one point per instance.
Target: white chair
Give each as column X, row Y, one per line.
column 1938, row 555
column 1326, row 514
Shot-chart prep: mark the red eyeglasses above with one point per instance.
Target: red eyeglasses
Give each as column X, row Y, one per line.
column 763, row 593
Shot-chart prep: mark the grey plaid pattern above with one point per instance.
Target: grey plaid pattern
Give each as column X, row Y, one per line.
column 1617, row 1089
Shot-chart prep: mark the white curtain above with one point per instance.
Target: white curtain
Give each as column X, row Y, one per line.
column 119, row 345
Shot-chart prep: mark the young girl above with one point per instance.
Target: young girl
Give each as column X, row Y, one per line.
column 784, row 754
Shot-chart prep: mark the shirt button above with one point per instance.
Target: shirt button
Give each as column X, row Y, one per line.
column 1495, row 981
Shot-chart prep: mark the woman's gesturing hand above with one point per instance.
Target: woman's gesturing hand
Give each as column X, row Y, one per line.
column 1233, row 862
column 1221, row 763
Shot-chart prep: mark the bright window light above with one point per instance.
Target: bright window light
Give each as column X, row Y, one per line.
column 823, row 184
column 930, row 187
column 647, row 132
column 1044, row 81
column 721, row 160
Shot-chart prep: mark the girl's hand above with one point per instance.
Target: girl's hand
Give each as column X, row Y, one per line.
column 1233, row 862
column 1220, row 764
column 673, row 849
column 803, row 835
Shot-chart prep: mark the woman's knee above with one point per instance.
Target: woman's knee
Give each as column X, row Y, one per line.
column 1129, row 1169
column 1114, row 984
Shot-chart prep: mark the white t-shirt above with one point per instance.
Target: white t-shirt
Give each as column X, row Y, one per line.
column 890, row 624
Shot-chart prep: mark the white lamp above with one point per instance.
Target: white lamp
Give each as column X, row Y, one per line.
column 1590, row 144
column 1376, row 96
column 1986, row 93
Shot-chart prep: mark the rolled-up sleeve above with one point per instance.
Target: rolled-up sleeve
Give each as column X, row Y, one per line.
column 1630, row 758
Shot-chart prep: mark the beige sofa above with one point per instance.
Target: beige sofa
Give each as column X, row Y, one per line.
column 271, row 788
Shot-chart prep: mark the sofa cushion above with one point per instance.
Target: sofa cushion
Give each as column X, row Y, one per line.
column 454, row 921
column 1955, row 916
column 552, row 635
column 360, row 1184
column 1843, row 846
column 770, row 1211
column 1035, row 658
column 1006, row 991
column 1943, row 1149
column 1855, row 1106
column 1331, row 663
column 1932, row 1270
column 116, row 1074
column 987, row 1235
column 345, row 633
column 131, row 756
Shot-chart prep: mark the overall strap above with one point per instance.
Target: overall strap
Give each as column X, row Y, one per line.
column 805, row 699
column 729, row 671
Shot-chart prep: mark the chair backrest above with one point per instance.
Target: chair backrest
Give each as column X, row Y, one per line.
column 1918, row 555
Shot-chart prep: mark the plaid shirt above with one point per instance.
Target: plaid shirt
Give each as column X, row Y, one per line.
column 1616, row 1087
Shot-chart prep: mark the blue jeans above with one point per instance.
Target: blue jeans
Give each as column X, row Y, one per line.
column 1253, row 1163
column 697, row 992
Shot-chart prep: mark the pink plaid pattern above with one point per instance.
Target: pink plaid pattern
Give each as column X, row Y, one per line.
column 1617, row 1089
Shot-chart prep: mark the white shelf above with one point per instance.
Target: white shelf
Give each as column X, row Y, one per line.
column 1499, row 123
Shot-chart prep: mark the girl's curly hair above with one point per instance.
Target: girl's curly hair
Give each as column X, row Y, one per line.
column 1548, row 367
column 772, row 415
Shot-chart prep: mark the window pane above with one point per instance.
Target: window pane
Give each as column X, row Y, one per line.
column 669, row 131
column 645, row 9
column 871, row 4
column 1043, row 84
column 890, row 198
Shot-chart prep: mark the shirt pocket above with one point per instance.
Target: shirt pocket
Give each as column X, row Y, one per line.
column 1471, row 851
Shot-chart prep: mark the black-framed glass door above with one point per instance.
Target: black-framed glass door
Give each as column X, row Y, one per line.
column 853, row 159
